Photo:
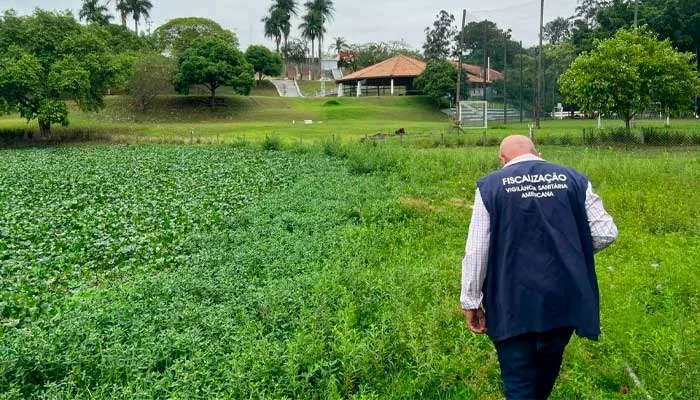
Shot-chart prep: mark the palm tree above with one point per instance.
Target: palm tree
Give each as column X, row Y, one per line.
column 138, row 9
column 311, row 28
column 339, row 44
column 275, row 24
column 325, row 9
column 288, row 8
column 123, row 9
column 94, row 12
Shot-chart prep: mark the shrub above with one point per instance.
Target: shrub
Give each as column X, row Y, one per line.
column 334, row 148
column 272, row 143
column 369, row 159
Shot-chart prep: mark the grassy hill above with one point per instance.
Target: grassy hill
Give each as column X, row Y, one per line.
column 271, row 109
column 177, row 118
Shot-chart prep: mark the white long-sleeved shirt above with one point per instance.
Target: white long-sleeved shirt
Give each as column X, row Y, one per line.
column 603, row 232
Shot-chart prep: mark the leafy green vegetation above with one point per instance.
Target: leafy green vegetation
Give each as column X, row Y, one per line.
column 327, row 271
column 628, row 72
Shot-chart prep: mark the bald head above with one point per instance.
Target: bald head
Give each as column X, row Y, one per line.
column 514, row 146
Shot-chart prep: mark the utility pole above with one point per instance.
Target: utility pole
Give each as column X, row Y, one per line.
column 521, row 81
column 485, row 66
column 540, row 74
column 506, row 37
column 460, row 44
column 636, row 12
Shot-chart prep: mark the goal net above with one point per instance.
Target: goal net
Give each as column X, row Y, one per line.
column 473, row 114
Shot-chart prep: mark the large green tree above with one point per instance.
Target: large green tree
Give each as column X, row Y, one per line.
column 557, row 30
column 366, row 54
column 628, row 72
column 485, row 40
column 151, row 76
column 264, row 61
column 440, row 39
column 47, row 58
column 213, row 63
column 438, row 81
column 176, row 35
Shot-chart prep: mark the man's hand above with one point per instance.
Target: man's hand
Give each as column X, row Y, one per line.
column 475, row 320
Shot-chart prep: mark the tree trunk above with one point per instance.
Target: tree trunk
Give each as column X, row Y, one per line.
column 628, row 118
column 320, row 59
column 284, row 57
column 136, row 26
column 213, row 98
column 313, row 44
column 45, row 129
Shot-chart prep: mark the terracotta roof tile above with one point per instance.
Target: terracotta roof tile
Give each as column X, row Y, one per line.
column 475, row 73
column 396, row 67
column 405, row 67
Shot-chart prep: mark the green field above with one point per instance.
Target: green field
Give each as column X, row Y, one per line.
column 178, row 120
column 323, row 271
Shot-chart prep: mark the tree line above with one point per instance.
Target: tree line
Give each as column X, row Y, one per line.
column 278, row 26
column 48, row 57
column 667, row 30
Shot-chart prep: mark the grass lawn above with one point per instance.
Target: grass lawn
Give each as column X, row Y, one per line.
column 311, row 88
column 264, row 88
column 178, row 119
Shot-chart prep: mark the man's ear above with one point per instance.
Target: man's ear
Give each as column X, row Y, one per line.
column 503, row 159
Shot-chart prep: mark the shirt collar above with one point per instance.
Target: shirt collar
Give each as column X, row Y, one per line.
column 523, row 158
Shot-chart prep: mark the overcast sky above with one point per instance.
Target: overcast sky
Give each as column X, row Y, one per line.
column 359, row 21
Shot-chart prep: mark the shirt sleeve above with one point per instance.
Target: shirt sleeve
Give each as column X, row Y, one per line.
column 603, row 229
column 476, row 255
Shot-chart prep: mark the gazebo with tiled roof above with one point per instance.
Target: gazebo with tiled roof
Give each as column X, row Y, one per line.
column 396, row 71
column 401, row 71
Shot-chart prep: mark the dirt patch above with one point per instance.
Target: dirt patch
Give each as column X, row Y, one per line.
column 460, row 203
column 417, row 204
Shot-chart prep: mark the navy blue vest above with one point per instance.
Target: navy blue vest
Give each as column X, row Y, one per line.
column 541, row 272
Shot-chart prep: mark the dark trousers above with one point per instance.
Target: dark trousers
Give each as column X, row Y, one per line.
column 530, row 363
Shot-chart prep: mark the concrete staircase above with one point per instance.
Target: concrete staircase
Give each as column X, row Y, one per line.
column 286, row 87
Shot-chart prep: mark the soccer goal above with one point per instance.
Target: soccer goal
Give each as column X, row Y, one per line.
column 474, row 114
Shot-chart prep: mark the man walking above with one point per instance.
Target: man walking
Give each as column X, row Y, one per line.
column 528, row 275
